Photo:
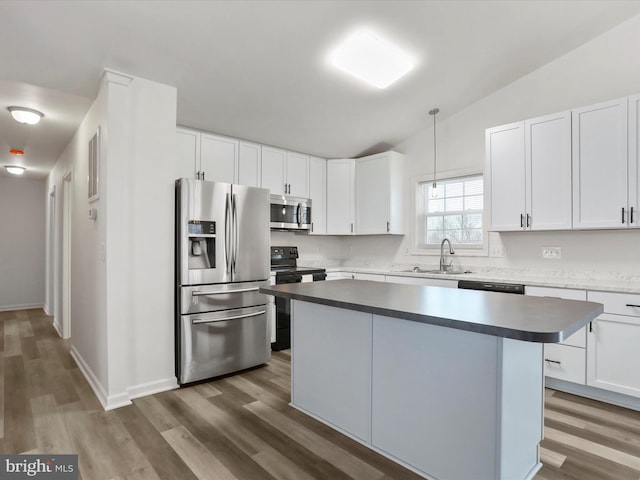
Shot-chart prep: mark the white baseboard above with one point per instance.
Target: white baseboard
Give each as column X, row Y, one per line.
column 111, row 402
column 58, row 330
column 150, row 388
column 45, row 307
column 26, row 306
column 594, row 393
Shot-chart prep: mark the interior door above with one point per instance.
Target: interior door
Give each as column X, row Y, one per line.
column 251, row 234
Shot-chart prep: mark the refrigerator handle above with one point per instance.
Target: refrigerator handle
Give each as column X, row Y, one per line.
column 235, row 231
column 227, row 232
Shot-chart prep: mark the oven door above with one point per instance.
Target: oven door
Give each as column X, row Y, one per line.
column 218, row 343
column 290, row 213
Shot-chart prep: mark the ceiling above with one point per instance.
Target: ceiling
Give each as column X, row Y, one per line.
column 258, row 70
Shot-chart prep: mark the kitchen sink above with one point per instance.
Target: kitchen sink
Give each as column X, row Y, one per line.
column 438, row 272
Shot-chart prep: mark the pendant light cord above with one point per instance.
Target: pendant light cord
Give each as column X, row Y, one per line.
column 433, row 113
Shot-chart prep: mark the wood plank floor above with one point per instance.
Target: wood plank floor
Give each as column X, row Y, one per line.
column 241, row 427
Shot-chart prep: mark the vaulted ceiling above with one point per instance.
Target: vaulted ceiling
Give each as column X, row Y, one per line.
column 259, row 70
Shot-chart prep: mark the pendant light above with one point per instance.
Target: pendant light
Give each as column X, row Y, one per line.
column 434, row 186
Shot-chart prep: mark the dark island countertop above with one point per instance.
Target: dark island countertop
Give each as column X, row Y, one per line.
column 532, row 319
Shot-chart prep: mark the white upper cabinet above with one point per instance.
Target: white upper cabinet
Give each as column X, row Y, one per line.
column 548, row 172
column 505, row 177
column 600, row 165
column 297, row 175
column 249, row 164
column 285, row 173
column 318, row 195
column 340, row 196
column 218, row 158
column 633, row 173
column 378, row 194
column 188, row 148
column 529, row 174
column 273, row 175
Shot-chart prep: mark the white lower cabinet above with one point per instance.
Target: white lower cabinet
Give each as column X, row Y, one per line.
column 613, row 344
column 565, row 360
column 376, row 277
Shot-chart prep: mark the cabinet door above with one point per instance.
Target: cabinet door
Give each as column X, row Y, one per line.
column 340, row 196
column 633, row 202
column 600, row 165
column 548, row 171
column 373, row 194
column 505, row 177
column 219, row 158
column 188, row 148
column 297, row 175
column 613, row 355
column 273, row 174
column 317, row 193
column 249, row 162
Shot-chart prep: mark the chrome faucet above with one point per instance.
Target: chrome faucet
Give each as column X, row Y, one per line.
column 445, row 267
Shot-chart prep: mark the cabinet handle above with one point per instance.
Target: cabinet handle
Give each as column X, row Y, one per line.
column 528, row 220
column 352, row 228
column 202, row 175
column 590, row 327
column 622, row 214
column 632, row 305
column 521, row 220
column 388, row 227
column 631, row 215
column 311, row 227
column 557, row 362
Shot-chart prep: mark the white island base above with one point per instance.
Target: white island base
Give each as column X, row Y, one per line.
column 448, row 404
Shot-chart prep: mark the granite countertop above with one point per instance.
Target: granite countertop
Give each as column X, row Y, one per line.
column 586, row 280
column 532, row 319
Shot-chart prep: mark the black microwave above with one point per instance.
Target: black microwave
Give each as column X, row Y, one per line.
column 290, row 213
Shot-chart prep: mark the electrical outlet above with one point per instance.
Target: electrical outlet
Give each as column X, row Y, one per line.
column 499, row 251
column 554, row 253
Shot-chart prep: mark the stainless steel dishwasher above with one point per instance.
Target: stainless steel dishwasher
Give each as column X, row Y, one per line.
column 491, row 286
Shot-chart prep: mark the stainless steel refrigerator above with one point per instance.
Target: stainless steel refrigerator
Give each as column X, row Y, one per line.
column 222, row 259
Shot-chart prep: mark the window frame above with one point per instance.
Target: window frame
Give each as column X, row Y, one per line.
column 419, row 219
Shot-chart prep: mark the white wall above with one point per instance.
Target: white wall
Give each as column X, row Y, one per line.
column 22, row 243
column 122, row 263
column 604, row 68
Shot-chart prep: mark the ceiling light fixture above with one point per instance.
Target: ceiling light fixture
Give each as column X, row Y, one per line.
column 25, row 115
column 15, row 170
column 434, row 187
column 371, row 59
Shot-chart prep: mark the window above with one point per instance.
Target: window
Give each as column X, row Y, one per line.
column 456, row 213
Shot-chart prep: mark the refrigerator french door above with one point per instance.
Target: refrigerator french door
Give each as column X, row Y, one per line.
column 222, row 259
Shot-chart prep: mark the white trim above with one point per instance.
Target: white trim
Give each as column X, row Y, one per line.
column 108, row 402
column 150, row 388
column 92, row 380
column 25, row 306
column 445, row 175
column 57, row 328
column 594, row 393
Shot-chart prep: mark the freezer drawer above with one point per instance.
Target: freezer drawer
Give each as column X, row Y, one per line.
column 213, row 344
column 208, row 298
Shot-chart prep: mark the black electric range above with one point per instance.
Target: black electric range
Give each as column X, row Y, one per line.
column 284, row 263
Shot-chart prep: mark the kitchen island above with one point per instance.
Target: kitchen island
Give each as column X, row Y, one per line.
column 447, row 382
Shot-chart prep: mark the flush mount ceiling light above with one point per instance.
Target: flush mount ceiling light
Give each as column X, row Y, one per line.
column 25, row 115
column 371, row 59
column 15, row 170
